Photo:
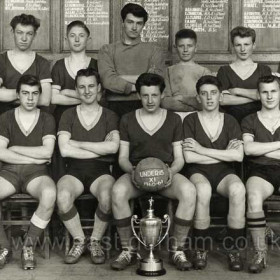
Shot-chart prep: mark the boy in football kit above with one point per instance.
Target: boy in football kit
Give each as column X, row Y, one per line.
column 261, row 135
column 152, row 132
column 239, row 79
column 64, row 94
column 22, row 61
column 212, row 143
column 88, row 135
column 181, row 78
column 27, row 138
column 64, row 71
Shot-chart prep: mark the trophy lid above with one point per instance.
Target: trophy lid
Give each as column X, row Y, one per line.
column 151, row 201
column 151, row 210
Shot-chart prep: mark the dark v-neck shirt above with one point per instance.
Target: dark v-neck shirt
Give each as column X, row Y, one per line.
column 229, row 79
column 193, row 129
column 253, row 126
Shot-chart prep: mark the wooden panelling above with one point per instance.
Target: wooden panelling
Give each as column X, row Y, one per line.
column 212, row 20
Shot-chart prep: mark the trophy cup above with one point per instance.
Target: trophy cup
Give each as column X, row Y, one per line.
column 150, row 236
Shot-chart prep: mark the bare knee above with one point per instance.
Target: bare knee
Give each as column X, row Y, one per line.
column 119, row 196
column 204, row 193
column 64, row 201
column 237, row 193
column 187, row 195
column 48, row 198
column 104, row 200
column 255, row 201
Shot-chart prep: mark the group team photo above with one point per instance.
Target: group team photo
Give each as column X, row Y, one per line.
column 125, row 126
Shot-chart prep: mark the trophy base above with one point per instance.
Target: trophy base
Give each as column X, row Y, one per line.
column 148, row 267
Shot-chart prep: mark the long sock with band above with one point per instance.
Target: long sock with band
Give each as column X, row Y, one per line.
column 234, row 239
column 180, row 233
column 4, row 242
column 72, row 222
column 37, row 226
column 125, row 233
column 256, row 224
column 202, row 239
column 101, row 221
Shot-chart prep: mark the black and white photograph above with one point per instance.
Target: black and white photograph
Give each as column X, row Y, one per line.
column 139, row 139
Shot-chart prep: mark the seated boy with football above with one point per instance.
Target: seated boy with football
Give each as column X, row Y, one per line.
column 212, row 143
column 152, row 132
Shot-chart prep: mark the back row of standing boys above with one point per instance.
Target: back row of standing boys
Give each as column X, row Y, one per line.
column 89, row 135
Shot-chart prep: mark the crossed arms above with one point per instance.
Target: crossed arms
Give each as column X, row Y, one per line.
column 88, row 150
column 195, row 153
column 25, row 154
column 268, row 149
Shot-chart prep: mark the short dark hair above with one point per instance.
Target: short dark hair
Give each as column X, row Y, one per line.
column 78, row 23
column 87, row 73
column 135, row 9
column 29, row 80
column 150, row 79
column 208, row 80
column 185, row 33
column 242, row 32
column 267, row 80
column 25, row 19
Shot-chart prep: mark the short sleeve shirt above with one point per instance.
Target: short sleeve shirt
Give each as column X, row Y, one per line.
column 229, row 79
column 157, row 143
column 64, row 78
column 72, row 123
column 10, row 75
column 251, row 125
column 229, row 129
column 13, row 132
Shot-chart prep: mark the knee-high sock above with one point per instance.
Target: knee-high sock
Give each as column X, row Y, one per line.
column 72, row 222
column 4, row 242
column 101, row 221
column 256, row 224
column 180, row 234
column 202, row 239
column 234, row 238
column 37, row 226
column 125, row 233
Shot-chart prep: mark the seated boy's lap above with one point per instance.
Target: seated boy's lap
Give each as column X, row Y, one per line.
column 127, row 181
column 20, row 175
column 214, row 173
column 270, row 173
column 88, row 171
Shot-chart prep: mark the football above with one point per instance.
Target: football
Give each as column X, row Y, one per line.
column 151, row 174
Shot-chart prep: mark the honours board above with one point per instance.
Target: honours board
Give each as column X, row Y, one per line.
column 210, row 20
column 95, row 14
column 157, row 27
column 40, row 9
column 264, row 17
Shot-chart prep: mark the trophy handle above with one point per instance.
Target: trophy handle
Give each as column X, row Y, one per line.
column 135, row 219
column 166, row 219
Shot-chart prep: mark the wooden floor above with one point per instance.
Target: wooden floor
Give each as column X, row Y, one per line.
column 55, row 269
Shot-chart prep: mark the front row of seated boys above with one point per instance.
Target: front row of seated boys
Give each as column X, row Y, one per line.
column 89, row 135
